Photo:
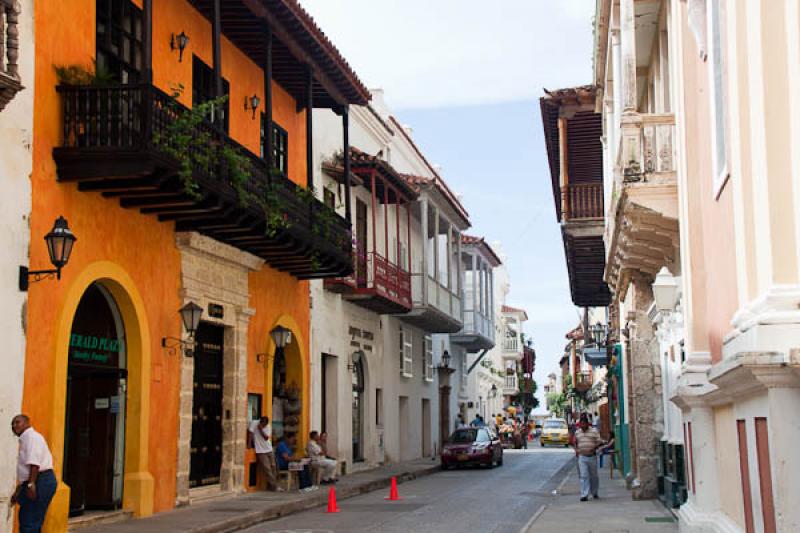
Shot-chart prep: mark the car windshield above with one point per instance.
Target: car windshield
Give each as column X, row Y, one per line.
column 464, row 436
column 555, row 424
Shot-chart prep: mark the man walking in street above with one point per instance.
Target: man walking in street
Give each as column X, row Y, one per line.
column 37, row 482
column 260, row 433
column 587, row 441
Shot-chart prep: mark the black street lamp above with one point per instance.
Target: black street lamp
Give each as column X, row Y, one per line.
column 493, row 391
column 446, row 359
column 190, row 316
column 59, row 241
column 355, row 359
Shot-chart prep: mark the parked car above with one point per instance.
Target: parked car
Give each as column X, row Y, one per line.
column 555, row 431
column 472, row 446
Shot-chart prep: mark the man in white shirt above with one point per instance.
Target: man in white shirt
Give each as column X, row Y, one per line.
column 260, row 433
column 37, row 482
column 327, row 467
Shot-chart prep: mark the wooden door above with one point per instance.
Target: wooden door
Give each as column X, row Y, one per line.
column 206, row 443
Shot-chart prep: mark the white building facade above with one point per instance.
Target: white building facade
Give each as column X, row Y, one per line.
column 378, row 336
column 16, row 136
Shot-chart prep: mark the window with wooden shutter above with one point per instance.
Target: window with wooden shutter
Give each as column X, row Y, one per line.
column 406, row 355
column 428, row 358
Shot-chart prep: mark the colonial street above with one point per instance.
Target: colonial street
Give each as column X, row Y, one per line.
column 502, row 499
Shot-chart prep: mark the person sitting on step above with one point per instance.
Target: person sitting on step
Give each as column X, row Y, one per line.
column 326, row 466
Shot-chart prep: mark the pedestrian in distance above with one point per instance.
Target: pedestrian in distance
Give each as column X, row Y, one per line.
column 260, row 434
column 36, row 480
column 478, row 422
column 587, row 442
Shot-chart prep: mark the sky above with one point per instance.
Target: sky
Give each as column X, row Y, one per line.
column 467, row 75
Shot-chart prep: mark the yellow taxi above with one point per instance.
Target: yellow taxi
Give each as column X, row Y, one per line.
column 555, row 431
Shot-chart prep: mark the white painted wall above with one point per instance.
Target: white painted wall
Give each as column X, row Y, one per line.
column 16, row 136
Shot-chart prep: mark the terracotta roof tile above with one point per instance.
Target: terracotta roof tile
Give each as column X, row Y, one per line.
column 509, row 309
column 471, row 240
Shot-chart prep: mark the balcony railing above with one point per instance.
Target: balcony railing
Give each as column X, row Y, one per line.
column 439, row 296
column 511, row 344
column 376, row 283
column 647, row 146
column 510, row 386
column 582, row 201
column 124, row 131
column 476, row 323
column 9, row 52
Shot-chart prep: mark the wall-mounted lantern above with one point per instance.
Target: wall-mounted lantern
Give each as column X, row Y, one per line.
column 190, row 316
column 252, row 103
column 493, row 391
column 59, row 241
column 665, row 290
column 281, row 337
column 355, row 359
column 179, row 42
column 446, row 359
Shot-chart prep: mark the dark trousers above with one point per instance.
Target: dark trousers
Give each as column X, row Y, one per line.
column 32, row 512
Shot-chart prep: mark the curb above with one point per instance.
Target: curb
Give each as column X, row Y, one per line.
column 258, row 517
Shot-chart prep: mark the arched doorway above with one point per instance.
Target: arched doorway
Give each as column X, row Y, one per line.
column 287, row 396
column 94, row 440
column 358, row 409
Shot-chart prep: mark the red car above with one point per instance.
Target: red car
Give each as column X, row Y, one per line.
column 472, row 446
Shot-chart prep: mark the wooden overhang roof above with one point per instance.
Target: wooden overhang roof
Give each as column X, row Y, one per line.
column 421, row 182
column 586, row 262
column 362, row 164
column 297, row 43
column 584, row 130
column 481, row 244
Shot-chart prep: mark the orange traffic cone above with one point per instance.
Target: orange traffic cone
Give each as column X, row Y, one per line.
column 332, row 507
column 393, row 495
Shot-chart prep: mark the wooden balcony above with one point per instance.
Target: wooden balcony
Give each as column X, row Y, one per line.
column 582, row 201
column 376, row 284
column 115, row 142
column 583, row 381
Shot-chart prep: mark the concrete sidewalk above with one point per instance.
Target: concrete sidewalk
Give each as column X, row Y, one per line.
column 614, row 512
column 232, row 513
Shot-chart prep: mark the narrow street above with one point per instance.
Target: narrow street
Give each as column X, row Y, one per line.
column 503, row 499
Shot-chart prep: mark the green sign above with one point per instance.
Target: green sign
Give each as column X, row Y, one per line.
column 92, row 349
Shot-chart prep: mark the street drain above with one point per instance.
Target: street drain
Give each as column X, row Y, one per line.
column 387, row 508
column 659, row 519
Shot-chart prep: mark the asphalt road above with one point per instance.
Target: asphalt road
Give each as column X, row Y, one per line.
column 503, row 499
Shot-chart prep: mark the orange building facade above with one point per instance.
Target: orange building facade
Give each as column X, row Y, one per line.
column 111, row 374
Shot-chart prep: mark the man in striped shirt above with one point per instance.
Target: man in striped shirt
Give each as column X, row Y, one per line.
column 587, row 441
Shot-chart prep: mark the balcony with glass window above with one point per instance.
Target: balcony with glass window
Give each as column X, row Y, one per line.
column 478, row 262
column 435, row 287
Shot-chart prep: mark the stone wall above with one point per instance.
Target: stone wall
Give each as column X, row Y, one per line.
column 212, row 272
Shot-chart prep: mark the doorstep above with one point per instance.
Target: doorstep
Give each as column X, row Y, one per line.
column 97, row 518
column 238, row 512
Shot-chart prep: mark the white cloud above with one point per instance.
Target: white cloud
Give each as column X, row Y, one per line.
column 436, row 53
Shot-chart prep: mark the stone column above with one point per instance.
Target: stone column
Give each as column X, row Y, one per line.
column 628, row 63
column 234, row 404
column 645, row 396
